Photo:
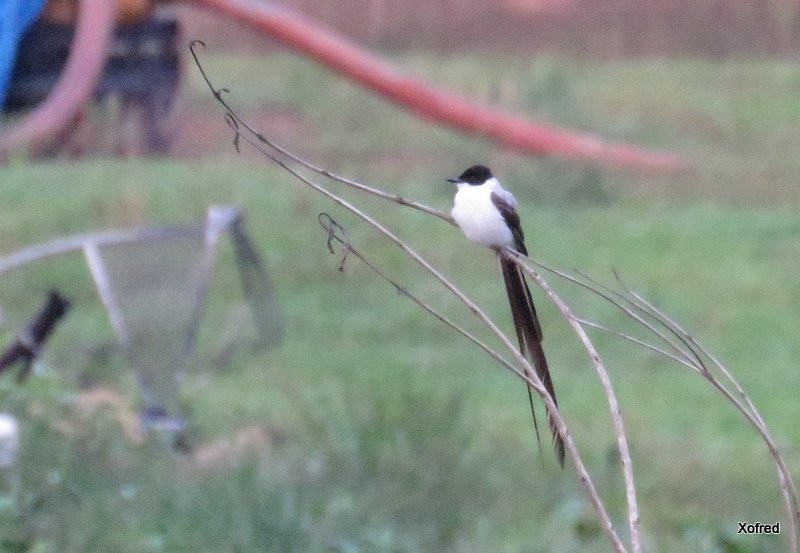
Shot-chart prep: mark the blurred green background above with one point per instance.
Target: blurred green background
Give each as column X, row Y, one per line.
column 372, row 427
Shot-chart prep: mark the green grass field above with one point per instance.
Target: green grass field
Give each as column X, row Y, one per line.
column 385, row 431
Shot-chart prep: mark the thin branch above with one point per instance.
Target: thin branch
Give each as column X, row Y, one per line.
column 639, row 315
column 692, row 357
column 529, row 375
column 687, row 348
column 608, row 294
column 238, row 121
column 688, row 338
column 608, row 388
column 748, row 410
column 338, row 234
column 642, row 343
column 682, row 347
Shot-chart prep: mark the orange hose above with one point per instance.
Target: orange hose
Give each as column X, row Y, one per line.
column 370, row 71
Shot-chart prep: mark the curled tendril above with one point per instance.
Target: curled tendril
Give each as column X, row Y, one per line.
column 230, row 119
column 336, row 233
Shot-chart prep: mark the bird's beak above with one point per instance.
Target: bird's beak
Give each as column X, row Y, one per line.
column 454, row 181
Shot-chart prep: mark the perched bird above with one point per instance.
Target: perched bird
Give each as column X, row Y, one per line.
column 487, row 214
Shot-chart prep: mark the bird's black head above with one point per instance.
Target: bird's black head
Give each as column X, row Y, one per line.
column 475, row 175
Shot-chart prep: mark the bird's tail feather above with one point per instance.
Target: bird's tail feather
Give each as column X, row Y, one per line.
column 529, row 335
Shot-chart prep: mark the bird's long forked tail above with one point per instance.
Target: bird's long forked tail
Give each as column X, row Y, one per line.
column 529, row 335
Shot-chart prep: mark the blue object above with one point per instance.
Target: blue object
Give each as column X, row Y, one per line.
column 15, row 18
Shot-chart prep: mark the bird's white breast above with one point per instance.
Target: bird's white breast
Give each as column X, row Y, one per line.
column 476, row 215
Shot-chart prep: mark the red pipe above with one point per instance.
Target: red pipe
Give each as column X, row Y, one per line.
column 75, row 86
column 331, row 49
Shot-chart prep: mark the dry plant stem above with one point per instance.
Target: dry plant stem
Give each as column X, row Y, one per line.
column 784, row 477
column 688, row 356
column 696, row 347
column 527, row 373
column 748, row 410
column 742, row 403
column 608, row 388
column 591, row 324
column 349, row 249
column 690, row 359
column 691, row 356
column 301, row 161
column 642, row 307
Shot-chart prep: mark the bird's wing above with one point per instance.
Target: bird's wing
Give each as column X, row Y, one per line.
column 506, row 204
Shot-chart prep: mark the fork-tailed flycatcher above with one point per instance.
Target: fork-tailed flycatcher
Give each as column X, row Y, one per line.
column 487, row 214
